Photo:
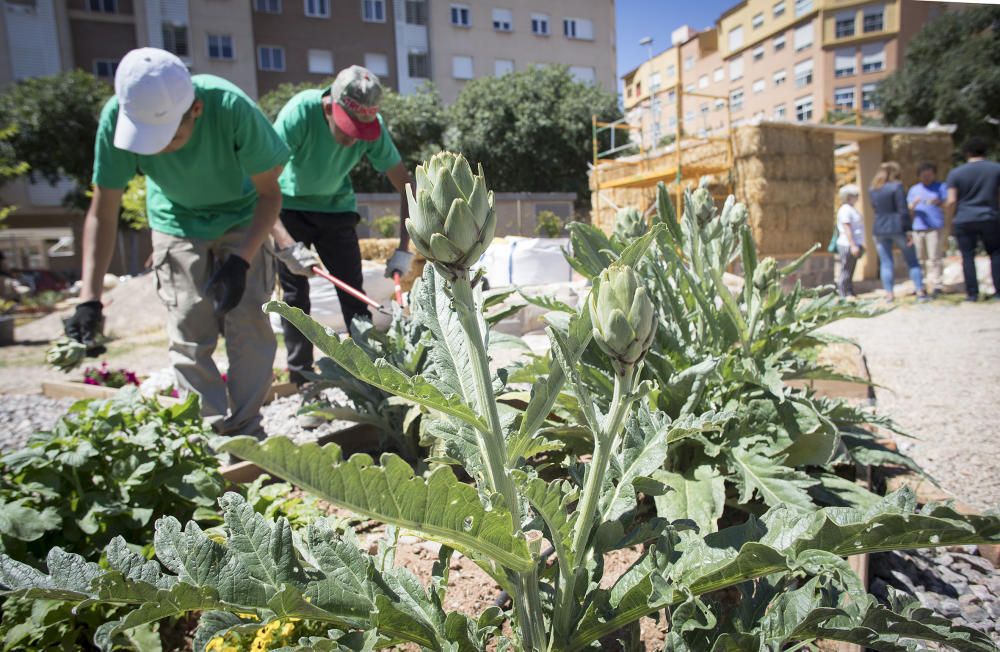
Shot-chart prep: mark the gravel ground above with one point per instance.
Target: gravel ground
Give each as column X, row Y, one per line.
column 280, row 419
column 21, row 415
column 939, row 367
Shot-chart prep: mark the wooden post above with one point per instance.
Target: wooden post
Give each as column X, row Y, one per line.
column 869, row 158
column 678, row 112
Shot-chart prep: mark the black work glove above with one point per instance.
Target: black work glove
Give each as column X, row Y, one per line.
column 86, row 326
column 227, row 284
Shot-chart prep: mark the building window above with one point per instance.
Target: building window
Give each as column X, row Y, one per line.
column 317, row 8
column 720, row 104
column 461, row 16
column 671, row 96
column 757, row 21
column 803, row 37
column 654, row 82
column 843, row 98
column 736, row 38
column 803, row 7
column 758, row 53
column 672, row 121
column 105, row 68
column 104, row 7
column 321, row 62
column 689, row 88
column 689, row 62
column 579, row 28
column 220, row 46
column 267, row 6
column 736, row 100
column 868, row 97
column 704, row 108
column 874, row 19
column 779, row 8
column 175, row 39
column 373, row 11
column 758, row 86
column 703, row 81
column 271, row 58
column 844, row 63
column 461, row 67
column 719, row 74
column 418, row 65
column 416, row 12
column 803, row 73
column 671, row 70
column 587, row 75
column 502, row 67
column 688, row 116
column 779, row 77
column 779, row 112
column 779, row 43
column 845, row 25
column 804, row 108
column 503, row 20
column 735, row 69
column 540, row 24
column 377, row 63
column 872, row 57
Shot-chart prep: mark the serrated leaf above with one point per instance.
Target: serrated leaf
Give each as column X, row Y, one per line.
column 699, row 496
column 776, row 484
column 439, row 508
column 380, row 373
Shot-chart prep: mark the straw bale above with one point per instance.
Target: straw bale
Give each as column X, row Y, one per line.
column 378, row 249
column 747, row 141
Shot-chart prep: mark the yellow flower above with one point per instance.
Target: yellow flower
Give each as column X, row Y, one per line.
column 215, row 645
column 287, row 629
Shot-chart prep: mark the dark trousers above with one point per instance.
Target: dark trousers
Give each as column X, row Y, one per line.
column 848, row 261
column 968, row 234
column 335, row 238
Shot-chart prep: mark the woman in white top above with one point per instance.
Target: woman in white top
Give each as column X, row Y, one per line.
column 851, row 229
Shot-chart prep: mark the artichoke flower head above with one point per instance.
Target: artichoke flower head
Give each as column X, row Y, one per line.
column 452, row 220
column 623, row 316
column 630, row 224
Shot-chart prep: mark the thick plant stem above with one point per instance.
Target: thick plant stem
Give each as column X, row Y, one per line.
column 604, row 442
column 493, row 451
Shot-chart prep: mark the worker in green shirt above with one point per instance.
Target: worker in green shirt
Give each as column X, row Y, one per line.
column 328, row 131
column 211, row 161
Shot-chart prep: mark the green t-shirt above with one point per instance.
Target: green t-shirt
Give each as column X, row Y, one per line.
column 317, row 177
column 203, row 189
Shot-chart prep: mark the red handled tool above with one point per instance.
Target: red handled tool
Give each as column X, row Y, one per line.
column 360, row 296
column 396, row 279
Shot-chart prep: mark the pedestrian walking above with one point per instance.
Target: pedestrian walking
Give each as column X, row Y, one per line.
column 972, row 201
column 926, row 200
column 211, row 161
column 328, row 131
column 892, row 228
column 850, row 239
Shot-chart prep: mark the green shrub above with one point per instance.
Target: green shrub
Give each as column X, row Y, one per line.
column 549, row 225
column 386, row 226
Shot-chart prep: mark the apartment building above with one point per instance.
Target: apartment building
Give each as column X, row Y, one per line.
column 794, row 60
column 474, row 38
column 310, row 40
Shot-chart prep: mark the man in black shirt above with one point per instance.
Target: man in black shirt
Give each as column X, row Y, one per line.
column 973, row 198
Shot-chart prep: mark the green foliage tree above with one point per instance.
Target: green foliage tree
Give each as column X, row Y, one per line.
column 531, row 129
column 950, row 74
column 133, row 215
column 10, row 167
column 55, row 122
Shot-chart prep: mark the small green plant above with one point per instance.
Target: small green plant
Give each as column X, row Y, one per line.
column 66, row 354
column 133, row 214
column 386, row 226
column 548, row 225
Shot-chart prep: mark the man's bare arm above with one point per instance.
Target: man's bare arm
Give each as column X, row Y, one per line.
column 951, row 204
column 399, row 176
column 265, row 215
column 100, row 228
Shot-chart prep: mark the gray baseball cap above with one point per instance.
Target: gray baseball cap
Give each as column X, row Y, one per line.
column 356, row 93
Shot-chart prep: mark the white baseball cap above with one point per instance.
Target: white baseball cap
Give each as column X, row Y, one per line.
column 154, row 92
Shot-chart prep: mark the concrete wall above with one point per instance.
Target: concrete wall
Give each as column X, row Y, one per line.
column 230, row 17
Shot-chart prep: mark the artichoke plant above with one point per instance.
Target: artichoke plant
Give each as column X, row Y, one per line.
column 452, row 219
column 623, row 317
column 629, row 224
column 703, row 205
column 66, row 354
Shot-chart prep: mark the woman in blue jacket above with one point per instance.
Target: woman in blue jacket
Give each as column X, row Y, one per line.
column 892, row 227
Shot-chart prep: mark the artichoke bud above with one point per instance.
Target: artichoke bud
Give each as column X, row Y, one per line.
column 452, row 219
column 623, row 316
column 766, row 273
column 703, row 206
column 629, row 224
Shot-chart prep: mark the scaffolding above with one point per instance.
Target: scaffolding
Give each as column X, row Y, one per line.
column 681, row 163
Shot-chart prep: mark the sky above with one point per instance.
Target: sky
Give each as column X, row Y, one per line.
column 657, row 18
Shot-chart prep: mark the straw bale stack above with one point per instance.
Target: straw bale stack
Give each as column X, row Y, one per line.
column 909, row 150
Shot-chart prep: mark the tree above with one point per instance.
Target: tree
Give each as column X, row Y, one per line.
column 531, row 129
column 10, row 166
column 417, row 123
column 55, row 123
column 950, row 74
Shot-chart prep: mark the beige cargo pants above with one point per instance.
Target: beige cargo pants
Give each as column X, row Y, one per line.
column 183, row 267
